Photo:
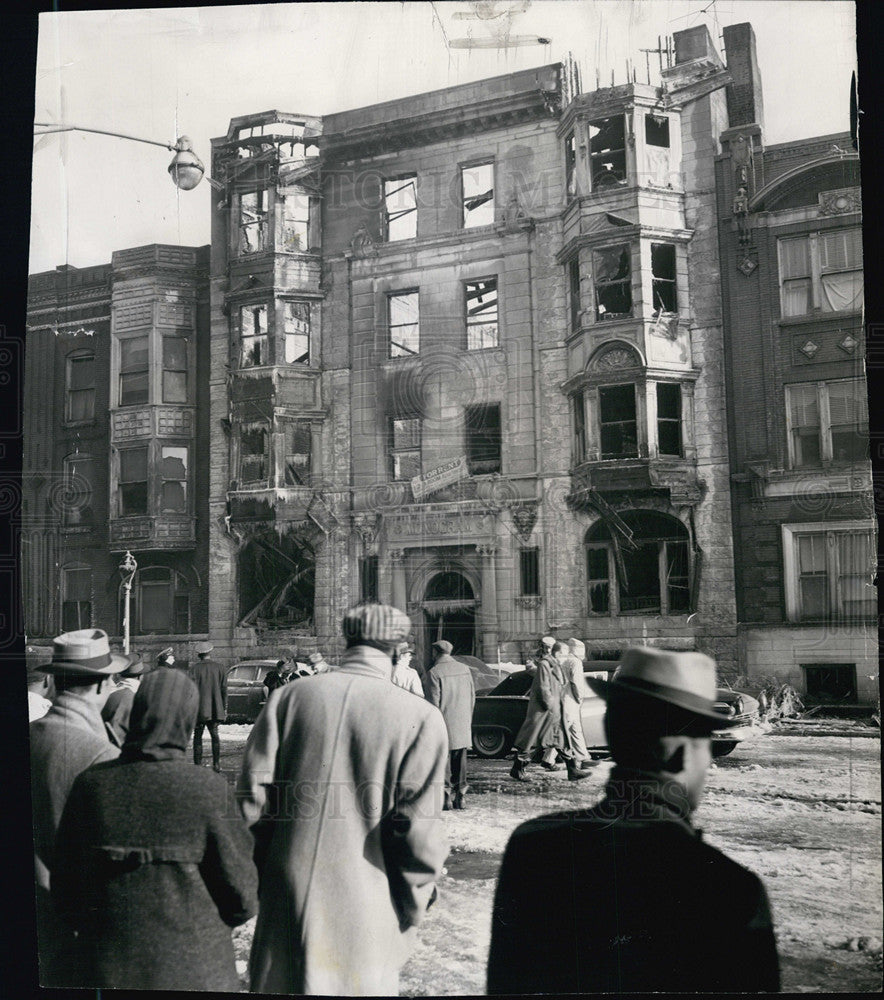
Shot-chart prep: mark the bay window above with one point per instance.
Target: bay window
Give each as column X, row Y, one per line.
column 254, row 340
column 612, row 272
column 174, row 370
column 132, row 482
column 296, row 333
column 134, row 371
column 253, row 230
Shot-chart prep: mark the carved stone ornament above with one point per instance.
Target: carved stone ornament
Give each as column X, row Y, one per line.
column 747, row 266
column 366, row 526
column 531, row 602
column 849, row 344
column 486, row 551
column 396, row 555
column 616, row 357
column 840, row 202
column 524, row 518
column 809, row 349
column 361, row 244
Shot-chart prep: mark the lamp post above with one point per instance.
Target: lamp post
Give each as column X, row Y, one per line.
column 127, row 571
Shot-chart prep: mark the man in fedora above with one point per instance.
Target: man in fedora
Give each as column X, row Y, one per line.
column 633, row 900
column 68, row 739
column 118, row 707
column 210, row 678
column 342, row 783
column 449, row 686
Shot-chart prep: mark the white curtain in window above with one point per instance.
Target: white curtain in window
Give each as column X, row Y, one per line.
column 842, row 291
column 794, row 258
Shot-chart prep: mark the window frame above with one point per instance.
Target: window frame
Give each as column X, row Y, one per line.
column 305, row 427
column 473, row 468
column 68, row 518
column 83, row 621
column 262, row 222
column 280, row 346
column 659, row 307
column 636, row 421
column 527, row 572
column 396, row 453
column 71, row 360
column 827, row 458
column 575, row 306
column 605, row 154
column 403, row 350
column 120, row 482
column 571, row 164
column 258, row 482
column 395, row 217
column 464, row 217
column 147, row 336
column 602, row 314
column 178, row 591
column 472, row 325
column 678, row 421
column 815, row 274
column 162, row 479
column 369, row 590
column 164, row 336
column 254, row 307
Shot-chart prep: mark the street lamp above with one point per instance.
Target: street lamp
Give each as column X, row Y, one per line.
column 127, row 570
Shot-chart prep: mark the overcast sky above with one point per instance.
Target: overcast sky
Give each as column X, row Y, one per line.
column 158, row 74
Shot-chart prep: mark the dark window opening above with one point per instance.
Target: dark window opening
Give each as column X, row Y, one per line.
column 613, row 282
column 656, row 131
column 173, row 476
column 663, row 271
column 579, row 409
column 132, row 495
column 477, row 186
column 76, row 601
column 276, row 582
column 571, row 164
column 830, row 683
column 79, row 477
column 574, row 292
column 403, row 313
column 598, row 578
column 174, row 370
column 80, row 388
column 253, row 455
column 253, row 222
column 406, row 447
column 298, row 441
column 160, row 603
column 134, row 371
column 529, row 572
column 668, row 418
column 481, row 305
column 483, row 438
column 296, row 333
column 607, row 152
column 253, row 336
column 368, row 579
column 400, row 208
column 617, row 422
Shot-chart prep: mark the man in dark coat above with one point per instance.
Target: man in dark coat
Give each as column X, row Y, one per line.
column 67, row 740
column 152, row 868
column 118, row 707
column 449, row 686
column 633, row 901
column 210, row 678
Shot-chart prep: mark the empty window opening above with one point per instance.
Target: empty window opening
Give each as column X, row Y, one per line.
column 132, row 486
column 296, row 333
column 253, row 222
column 76, row 598
column 571, row 164
column 368, row 579
column 529, row 571
column 617, row 422
column 174, row 370
column 481, row 305
column 613, row 282
column 254, row 342
column 298, row 440
column 663, row 271
column 578, row 408
column 276, row 580
column 173, row 476
column 668, row 418
column 830, row 683
column 483, row 438
column 296, row 221
column 163, row 603
column 134, row 371
column 657, row 131
column 607, row 152
column 253, row 454
column 80, row 384
column 404, row 320
column 406, row 447
column 477, row 184
column 574, row 293
column 400, row 208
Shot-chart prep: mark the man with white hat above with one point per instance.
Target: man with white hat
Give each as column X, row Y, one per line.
column 210, row 678
column 67, row 740
column 342, row 785
column 655, row 908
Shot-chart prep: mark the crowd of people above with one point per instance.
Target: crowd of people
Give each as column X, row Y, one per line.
column 335, row 837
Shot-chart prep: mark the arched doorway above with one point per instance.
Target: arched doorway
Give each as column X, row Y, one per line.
column 449, row 607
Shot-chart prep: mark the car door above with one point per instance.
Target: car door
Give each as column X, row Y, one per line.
column 240, row 680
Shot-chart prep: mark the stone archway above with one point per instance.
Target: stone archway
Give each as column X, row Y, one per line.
column 449, row 610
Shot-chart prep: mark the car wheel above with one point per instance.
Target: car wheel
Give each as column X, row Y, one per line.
column 721, row 748
column 491, row 742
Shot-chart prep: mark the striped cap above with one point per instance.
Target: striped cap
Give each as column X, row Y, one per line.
column 376, row 622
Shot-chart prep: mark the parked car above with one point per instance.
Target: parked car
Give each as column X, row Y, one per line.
column 485, row 675
column 245, row 689
column 499, row 714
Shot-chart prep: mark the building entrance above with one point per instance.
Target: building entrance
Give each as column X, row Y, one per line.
column 449, row 608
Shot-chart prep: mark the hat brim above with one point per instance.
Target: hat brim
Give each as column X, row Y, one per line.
column 671, row 696
column 118, row 663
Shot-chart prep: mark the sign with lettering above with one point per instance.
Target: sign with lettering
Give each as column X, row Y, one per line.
column 442, row 475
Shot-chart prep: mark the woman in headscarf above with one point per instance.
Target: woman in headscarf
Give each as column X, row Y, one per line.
column 152, row 865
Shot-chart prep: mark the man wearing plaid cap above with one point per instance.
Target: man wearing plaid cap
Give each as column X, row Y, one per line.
column 342, row 785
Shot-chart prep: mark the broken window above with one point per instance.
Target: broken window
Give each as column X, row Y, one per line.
column 174, row 370
column 404, row 318
column 134, row 371
column 80, row 388
column 368, row 579
column 162, row 602
column 842, row 435
column 132, row 485
column 76, row 598
column 79, row 477
column 298, row 442
column 830, row 683
column 821, row 271
column 663, row 272
column 645, row 569
column 574, row 293
column 296, row 332
column 607, row 152
column 668, row 418
column 477, row 185
column 481, row 305
column 613, row 282
column 617, row 422
column 253, row 222
column 276, row 581
column 529, row 571
column 406, row 447
column 254, row 342
column 657, row 131
column 400, row 208
column 657, row 150
column 483, row 438
column 571, row 165
column 579, row 412
column 832, row 573
column 295, row 221
column 173, row 480
column 253, row 454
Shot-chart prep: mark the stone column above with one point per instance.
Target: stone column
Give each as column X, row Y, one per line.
column 488, row 621
column 397, row 563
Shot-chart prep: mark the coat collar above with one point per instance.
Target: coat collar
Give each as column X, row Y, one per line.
column 71, row 709
column 368, row 661
column 632, row 795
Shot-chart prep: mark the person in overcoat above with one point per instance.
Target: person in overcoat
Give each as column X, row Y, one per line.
column 151, row 868
column 450, row 687
column 342, row 785
column 69, row 738
column 210, row 678
column 118, row 707
column 633, row 901
column 404, row 674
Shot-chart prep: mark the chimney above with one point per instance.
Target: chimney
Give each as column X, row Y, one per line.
column 744, row 104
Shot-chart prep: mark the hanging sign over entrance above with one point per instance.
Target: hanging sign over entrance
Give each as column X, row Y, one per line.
column 442, row 475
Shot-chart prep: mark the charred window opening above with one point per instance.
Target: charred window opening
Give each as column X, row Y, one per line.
column 483, row 438
column 668, row 418
column 253, row 222
column 663, row 272
column 132, row 485
column 400, row 208
column 296, row 221
column 649, row 573
column 405, row 449
column 481, row 307
column 477, row 186
column 296, row 333
column 579, row 413
column 571, row 165
column 174, row 369
column 607, row 152
column 80, row 386
column 368, row 579
column 298, row 447
column 162, row 604
column 253, row 454
column 173, row 476
column 830, row 683
column 574, row 293
column 79, row 479
column 276, row 582
column 613, row 282
column 254, row 341
column 134, row 371
column 403, row 311
column 617, row 422
column 76, row 598
column 529, row 572
column 657, row 131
